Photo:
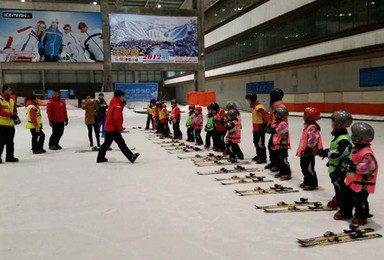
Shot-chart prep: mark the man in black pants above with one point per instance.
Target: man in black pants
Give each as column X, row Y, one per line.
column 58, row 118
column 8, row 119
column 113, row 129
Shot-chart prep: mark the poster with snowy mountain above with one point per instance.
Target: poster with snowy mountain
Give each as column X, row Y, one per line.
column 153, row 39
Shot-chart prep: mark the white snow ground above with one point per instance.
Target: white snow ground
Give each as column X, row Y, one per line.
column 62, row 205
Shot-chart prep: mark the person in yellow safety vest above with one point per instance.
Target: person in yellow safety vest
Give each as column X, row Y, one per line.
column 361, row 176
column 260, row 119
column 310, row 144
column 8, row 120
column 34, row 124
column 149, row 114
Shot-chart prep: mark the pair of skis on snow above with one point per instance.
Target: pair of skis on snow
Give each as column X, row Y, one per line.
column 236, row 169
column 303, row 205
column 276, row 189
column 250, row 178
column 348, row 235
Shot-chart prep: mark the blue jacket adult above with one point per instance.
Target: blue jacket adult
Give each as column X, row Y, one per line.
column 52, row 41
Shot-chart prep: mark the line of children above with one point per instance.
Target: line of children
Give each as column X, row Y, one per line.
column 233, row 136
column 197, row 124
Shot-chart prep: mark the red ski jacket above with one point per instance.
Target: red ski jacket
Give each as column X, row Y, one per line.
column 114, row 120
column 57, row 110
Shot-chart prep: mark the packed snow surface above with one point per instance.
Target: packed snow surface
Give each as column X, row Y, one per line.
column 62, row 205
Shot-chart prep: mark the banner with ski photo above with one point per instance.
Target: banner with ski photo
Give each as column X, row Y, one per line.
column 153, row 39
column 36, row 36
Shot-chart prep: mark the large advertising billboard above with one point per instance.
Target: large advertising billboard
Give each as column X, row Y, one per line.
column 28, row 35
column 153, row 39
column 138, row 91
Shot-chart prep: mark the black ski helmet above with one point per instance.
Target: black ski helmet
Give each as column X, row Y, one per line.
column 276, row 95
column 231, row 105
column 232, row 114
column 215, row 107
column 251, row 96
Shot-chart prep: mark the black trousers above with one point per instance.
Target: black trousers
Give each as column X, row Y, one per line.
column 208, row 137
column 198, row 138
column 149, row 120
column 338, row 181
column 281, row 161
column 190, row 134
column 233, row 150
column 271, row 152
column 51, row 58
column 57, row 133
column 97, row 134
column 7, row 134
column 176, row 128
column 116, row 137
column 357, row 200
column 38, row 139
column 307, row 164
column 218, row 140
column 259, row 142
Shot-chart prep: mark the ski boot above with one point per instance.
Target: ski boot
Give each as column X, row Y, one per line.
column 339, row 216
column 333, row 203
column 359, row 221
column 285, row 177
column 261, row 161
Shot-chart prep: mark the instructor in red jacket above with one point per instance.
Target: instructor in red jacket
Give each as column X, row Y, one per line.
column 113, row 129
column 58, row 118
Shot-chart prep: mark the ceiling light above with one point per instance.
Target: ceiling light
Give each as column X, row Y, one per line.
column 159, row 6
column 23, row 1
column 94, row 2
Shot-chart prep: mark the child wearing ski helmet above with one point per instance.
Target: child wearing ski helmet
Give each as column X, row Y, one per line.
column 361, row 176
column 209, row 128
column 339, row 151
column 197, row 124
column 275, row 101
column 164, row 121
column 161, row 118
column 232, row 105
column 281, row 143
column 33, row 123
column 174, row 119
column 260, row 118
column 220, row 117
column 233, row 137
column 155, row 116
column 188, row 124
column 310, row 144
column 149, row 114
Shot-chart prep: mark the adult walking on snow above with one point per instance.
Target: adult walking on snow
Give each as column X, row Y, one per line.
column 90, row 106
column 58, row 118
column 113, row 129
column 8, row 120
column 101, row 114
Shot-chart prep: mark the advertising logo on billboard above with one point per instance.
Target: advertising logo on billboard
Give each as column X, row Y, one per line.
column 153, row 39
column 50, row 36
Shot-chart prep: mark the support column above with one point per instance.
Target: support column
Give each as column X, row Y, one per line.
column 200, row 73
column 43, row 79
column 107, row 77
column 1, row 76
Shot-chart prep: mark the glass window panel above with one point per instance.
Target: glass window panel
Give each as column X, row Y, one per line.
column 376, row 8
column 360, row 14
column 333, row 17
column 346, row 14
